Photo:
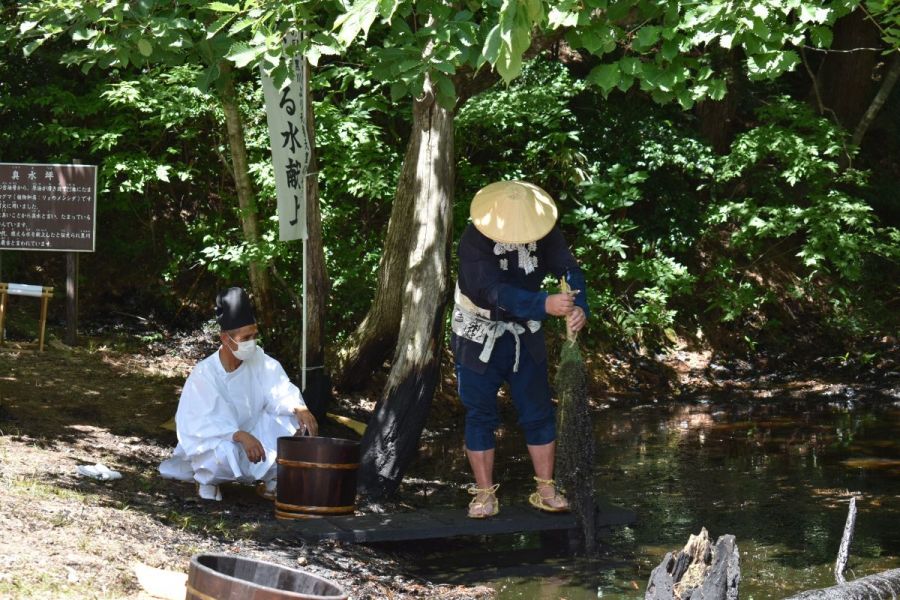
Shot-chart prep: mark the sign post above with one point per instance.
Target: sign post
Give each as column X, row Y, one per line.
column 291, row 153
column 71, row 298
column 52, row 208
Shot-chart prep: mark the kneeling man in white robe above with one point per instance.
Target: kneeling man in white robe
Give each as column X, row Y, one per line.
column 235, row 405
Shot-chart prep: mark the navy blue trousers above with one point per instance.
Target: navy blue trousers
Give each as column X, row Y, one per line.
column 528, row 387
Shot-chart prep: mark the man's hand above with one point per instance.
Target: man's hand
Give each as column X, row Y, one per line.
column 576, row 319
column 252, row 447
column 307, row 421
column 559, row 305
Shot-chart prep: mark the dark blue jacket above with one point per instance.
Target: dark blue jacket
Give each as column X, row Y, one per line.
column 511, row 294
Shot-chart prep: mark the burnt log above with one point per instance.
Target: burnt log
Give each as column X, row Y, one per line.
column 700, row 571
column 873, row 587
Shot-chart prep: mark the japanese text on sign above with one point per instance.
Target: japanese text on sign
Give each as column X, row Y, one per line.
column 48, row 207
column 286, row 116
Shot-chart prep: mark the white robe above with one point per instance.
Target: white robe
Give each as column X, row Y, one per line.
column 257, row 397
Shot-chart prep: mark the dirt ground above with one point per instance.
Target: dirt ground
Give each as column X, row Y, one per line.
column 65, row 536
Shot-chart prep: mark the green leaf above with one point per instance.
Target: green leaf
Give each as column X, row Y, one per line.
column 534, row 11
column 218, row 25
column 560, row 18
column 241, row 25
column 145, row 47
column 32, row 46
column 398, row 91
column 631, row 65
column 590, row 41
column 809, row 13
column 625, row 83
column 358, row 18
column 821, row 36
column 223, row 7
column 387, row 8
column 242, row 54
column 445, row 67
column 760, row 29
column 162, row 172
column 606, row 77
column 660, row 96
column 82, row 33
column 446, row 93
column 669, row 49
column 646, row 38
column 669, row 33
column 27, row 26
column 491, row 49
column 717, row 89
column 207, row 77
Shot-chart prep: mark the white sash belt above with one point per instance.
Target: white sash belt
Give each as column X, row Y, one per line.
column 473, row 323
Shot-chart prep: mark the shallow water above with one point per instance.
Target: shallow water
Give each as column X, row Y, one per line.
column 778, row 474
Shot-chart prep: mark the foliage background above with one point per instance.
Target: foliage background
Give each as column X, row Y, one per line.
column 787, row 236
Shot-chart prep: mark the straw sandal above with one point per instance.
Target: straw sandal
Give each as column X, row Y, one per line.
column 542, row 502
column 485, row 503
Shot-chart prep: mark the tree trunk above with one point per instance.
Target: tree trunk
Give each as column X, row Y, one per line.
column 887, row 85
column 259, row 277
column 845, row 78
column 880, row 586
column 392, row 436
column 318, row 388
column 376, row 336
column 716, row 117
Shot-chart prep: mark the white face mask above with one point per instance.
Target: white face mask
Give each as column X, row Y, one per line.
column 245, row 350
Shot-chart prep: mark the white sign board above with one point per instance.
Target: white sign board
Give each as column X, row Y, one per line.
column 286, row 115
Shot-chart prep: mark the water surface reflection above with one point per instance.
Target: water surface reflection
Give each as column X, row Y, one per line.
column 777, row 474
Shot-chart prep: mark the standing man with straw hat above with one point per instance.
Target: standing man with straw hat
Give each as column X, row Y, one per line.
column 504, row 255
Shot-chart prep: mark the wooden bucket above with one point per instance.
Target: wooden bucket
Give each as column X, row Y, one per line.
column 224, row 577
column 316, row 477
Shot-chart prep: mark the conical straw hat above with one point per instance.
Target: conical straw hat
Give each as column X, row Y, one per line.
column 513, row 212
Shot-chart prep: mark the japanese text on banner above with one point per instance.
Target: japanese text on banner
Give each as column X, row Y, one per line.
column 288, row 136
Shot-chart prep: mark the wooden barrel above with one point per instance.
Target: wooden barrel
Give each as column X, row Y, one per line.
column 316, row 477
column 224, row 577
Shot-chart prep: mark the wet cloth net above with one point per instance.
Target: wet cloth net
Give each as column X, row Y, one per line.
column 575, row 438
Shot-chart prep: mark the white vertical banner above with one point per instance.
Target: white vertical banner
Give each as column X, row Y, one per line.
column 286, row 116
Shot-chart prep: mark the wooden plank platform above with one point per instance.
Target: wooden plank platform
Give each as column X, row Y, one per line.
column 445, row 523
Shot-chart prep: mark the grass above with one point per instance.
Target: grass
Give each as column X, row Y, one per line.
column 35, row 583
column 38, row 490
column 210, row 525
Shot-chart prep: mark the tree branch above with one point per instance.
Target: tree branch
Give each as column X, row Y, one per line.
column 821, row 105
column 844, row 552
column 887, row 85
column 469, row 82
